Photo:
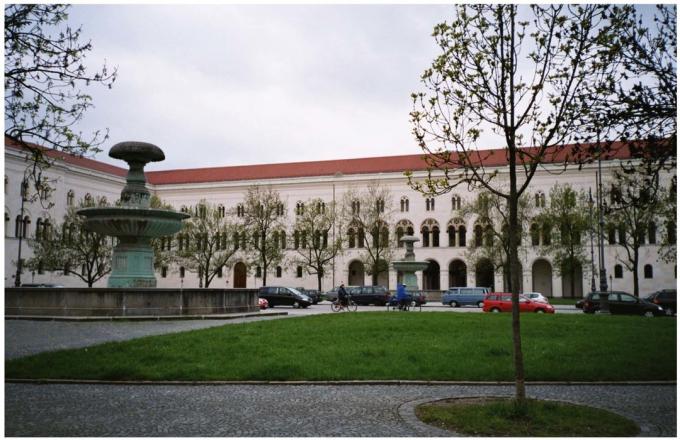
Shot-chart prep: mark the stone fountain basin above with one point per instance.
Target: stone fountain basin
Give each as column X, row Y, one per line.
column 410, row 266
column 128, row 221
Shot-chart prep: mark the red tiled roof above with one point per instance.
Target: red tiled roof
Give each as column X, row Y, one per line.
column 384, row 164
column 71, row 159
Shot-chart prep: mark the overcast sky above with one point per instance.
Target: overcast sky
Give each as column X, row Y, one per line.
column 221, row 85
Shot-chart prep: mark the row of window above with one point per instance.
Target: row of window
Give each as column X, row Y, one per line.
column 258, row 272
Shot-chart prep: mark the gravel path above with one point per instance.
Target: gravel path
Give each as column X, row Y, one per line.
column 286, row 410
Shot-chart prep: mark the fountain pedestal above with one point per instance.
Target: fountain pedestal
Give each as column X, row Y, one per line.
column 133, row 223
column 408, row 266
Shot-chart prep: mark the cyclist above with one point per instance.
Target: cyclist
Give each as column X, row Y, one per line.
column 402, row 297
column 342, row 295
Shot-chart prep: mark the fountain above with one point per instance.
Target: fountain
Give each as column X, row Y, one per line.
column 408, row 266
column 133, row 223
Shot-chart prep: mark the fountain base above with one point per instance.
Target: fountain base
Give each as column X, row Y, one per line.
column 132, row 266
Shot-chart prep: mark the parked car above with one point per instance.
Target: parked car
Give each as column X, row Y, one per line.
column 332, row 294
column 284, row 296
column 502, row 302
column 315, row 295
column 263, row 303
column 622, row 303
column 46, row 285
column 465, row 296
column 665, row 298
column 364, row 295
column 416, row 298
column 536, row 296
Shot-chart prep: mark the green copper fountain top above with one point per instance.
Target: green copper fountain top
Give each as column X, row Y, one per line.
column 137, row 151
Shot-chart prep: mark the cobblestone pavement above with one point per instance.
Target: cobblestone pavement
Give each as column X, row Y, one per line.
column 287, row 410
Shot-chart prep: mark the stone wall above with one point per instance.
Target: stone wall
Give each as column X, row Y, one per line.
column 68, row 301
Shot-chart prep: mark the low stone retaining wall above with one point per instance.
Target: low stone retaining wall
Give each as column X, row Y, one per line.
column 67, row 301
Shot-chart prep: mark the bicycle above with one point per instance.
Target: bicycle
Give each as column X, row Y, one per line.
column 351, row 306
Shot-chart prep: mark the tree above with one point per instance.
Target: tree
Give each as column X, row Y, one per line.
column 164, row 248
column 367, row 215
column 44, row 74
column 635, row 201
column 205, row 245
column 315, row 248
column 264, row 215
column 519, row 72
column 568, row 214
column 69, row 246
column 491, row 240
column 668, row 250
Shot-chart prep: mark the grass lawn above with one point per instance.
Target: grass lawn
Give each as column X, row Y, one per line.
column 490, row 417
column 381, row 346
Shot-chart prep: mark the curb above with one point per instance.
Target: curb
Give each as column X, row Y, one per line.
column 321, row 382
column 143, row 318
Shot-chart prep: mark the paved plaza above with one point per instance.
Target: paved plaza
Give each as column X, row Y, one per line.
column 260, row 410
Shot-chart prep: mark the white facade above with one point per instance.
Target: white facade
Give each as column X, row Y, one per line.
column 83, row 180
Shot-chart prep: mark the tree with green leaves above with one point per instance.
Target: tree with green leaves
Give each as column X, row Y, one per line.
column 314, row 245
column 490, row 241
column 366, row 216
column 205, row 245
column 669, row 206
column 567, row 212
column 44, row 77
column 68, row 246
column 519, row 73
column 264, row 219
column 636, row 198
column 164, row 248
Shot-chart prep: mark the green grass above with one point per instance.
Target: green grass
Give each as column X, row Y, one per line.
column 501, row 417
column 381, row 346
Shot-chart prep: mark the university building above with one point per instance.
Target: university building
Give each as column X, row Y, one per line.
column 445, row 234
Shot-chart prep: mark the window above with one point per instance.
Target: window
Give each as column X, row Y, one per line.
column 649, row 271
column 278, row 271
column 539, row 199
column 298, row 271
column 299, row 208
column 360, row 238
column 24, row 189
column 296, row 240
column 435, row 236
column 404, row 204
column 279, row 209
column 622, row 234
column 535, row 235
column 258, row 272
column 38, row 230
column 478, row 235
column 451, row 231
column 651, row 233
column 70, row 197
column 321, row 207
column 380, row 205
column 429, row 204
column 240, row 210
column 546, row 231
column 181, row 272
column 220, row 211
column 164, row 272
column 7, row 217
column 618, row 271
column 455, row 203
column 670, row 231
column 461, row 236
column 282, row 238
column 219, row 272
column 356, row 207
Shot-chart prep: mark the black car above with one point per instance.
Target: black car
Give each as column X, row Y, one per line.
column 665, row 298
column 284, row 296
column 622, row 303
column 364, row 295
column 315, row 295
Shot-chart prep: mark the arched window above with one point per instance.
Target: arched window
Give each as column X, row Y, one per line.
column 296, row 239
column 622, row 234
column 380, row 205
column 219, row 272
column 38, row 230
column 351, row 237
column 451, row 231
column 258, row 272
column 618, row 271
column 430, row 228
column 164, row 272
column 240, row 210
column 303, row 239
column 280, row 209
column 488, row 235
column 25, row 227
column 651, row 233
column 220, row 211
column 455, row 202
column 356, row 207
column 278, row 271
column 435, row 236
column 403, row 227
column 282, row 237
column 546, row 231
column 298, row 271
column 670, row 232
column 479, row 234
column 535, row 234
column 47, row 230
column 461, row 235
column 404, row 204
column 324, row 243
column 649, row 271
column 181, row 272
column 316, row 240
column 425, row 231
column 299, row 208
column 361, row 237
column 429, row 204
column 70, row 197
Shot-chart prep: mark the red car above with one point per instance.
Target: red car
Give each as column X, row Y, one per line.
column 502, row 302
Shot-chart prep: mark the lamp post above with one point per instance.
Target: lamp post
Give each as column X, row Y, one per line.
column 604, row 295
column 592, row 248
column 22, row 230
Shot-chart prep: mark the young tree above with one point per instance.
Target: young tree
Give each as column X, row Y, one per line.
column 314, row 246
column 367, row 215
column 520, row 73
column 87, row 255
column 668, row 250
column 164, row 248
column 568, row 214
column 264, row 214
column 205, row 245
column 490, row 241
column 44, row 74
column 635, row 202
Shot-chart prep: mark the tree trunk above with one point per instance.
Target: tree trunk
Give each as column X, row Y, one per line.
column 572, row 283
column 636, row 277
column 319, row 275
